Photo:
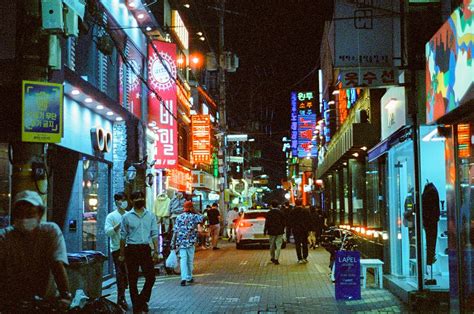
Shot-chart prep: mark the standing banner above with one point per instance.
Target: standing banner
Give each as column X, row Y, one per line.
column 347, row 275
column 42, row 112
column 161, row 115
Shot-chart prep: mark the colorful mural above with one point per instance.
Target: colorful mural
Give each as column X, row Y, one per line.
column 449, row 63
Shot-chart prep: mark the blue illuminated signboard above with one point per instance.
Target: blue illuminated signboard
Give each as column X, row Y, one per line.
column 294, row 124
column 42, row 110
column 347, row 275
column 307, row 145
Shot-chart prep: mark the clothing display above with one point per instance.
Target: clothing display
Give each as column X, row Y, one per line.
column 161, row 208
column 177, row 204
column 430, row 215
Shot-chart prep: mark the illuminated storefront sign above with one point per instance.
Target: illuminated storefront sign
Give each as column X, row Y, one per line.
column 450, row 64
column 179, row 29
column 42, row 112
column 294, row 124
column 130, row 73
column 201, row 146
column 181, row 179
column 368, row 77
column 307, row 146
column 183, row 95
column 347, row 99
column 464, row 141
column 162, row 116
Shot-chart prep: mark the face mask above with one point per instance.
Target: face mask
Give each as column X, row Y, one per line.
column 121, row 204
column 139, row 204
column 27, row 224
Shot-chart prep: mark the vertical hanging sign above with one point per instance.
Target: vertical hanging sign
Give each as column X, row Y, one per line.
column 161, row 115
column 294, row 124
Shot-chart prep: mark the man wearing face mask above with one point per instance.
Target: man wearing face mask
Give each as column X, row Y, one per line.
column 138, row 229
column 32, row 253
column 113, row 223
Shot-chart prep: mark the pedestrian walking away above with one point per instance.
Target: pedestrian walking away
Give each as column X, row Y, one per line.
column 139, row 229
column 286, row 210
column 313, row 226
column 232, row 217
column 184, row 238
column 214, row 217
column 113, row 223
column 30, row 251
column 275, row 228
column 300, row 226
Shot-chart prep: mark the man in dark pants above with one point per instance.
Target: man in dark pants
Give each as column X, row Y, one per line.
column 300, row 226
column 275, row 227
column 286, row 210
column 113, row 222
column 139, row 228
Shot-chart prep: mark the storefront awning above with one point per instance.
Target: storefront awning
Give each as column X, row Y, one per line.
column 351, row 140
column 381, row 148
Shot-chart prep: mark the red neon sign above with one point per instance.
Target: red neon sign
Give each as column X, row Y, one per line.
column 161, row 116
column 201, row 147
column 181, row 179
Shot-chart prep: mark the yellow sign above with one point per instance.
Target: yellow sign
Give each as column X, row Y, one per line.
column 42, row 112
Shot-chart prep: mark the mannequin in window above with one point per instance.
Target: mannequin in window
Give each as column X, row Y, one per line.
column 430, row 215
column 161, row 209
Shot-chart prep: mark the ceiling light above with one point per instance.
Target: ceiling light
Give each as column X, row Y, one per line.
column 75, row 92
column 364, row 148
column 148, row 28
column 110, row 113
column 202, row 38
column 391, row 104
column 356, row 154
column 187, row 6
column 141, row 16
column 99, row 107
column 199, row 33
column 88, row 100
column 344, row 163
column 119, row 119
column 132, row 4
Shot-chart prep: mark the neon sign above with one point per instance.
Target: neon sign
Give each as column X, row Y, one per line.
column 201, row 146
column 307, row 146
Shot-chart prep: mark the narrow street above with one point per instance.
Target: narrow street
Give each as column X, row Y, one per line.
column 245, row 281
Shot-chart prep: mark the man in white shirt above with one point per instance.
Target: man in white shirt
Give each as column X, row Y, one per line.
column 232, row 216
column 113, row 223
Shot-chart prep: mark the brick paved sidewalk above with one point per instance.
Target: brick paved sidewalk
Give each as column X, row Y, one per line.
column 245, row 281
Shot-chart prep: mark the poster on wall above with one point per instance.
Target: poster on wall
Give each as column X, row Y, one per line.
column 162, row 113
column 42, row 112
column 450, row 64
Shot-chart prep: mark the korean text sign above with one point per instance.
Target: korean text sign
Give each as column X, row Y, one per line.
column 42, row 112
column 294, row 124
column 347, row 275
column 161, row 115
column 307, row 146
column 201, row 128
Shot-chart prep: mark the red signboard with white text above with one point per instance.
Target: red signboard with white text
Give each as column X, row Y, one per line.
column 201, row 146
column 161, row 116
column 181, row 179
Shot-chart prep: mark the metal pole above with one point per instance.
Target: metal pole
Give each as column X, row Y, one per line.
column 222, row 109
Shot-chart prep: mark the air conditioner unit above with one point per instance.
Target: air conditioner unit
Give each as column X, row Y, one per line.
column 52, row 15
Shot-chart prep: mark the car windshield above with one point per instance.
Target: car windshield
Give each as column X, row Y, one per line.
column 254, row 215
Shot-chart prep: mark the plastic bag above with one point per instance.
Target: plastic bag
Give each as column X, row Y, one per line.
column 172, row 260
column 80, row 299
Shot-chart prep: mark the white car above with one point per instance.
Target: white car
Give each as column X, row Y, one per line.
column 250, row 228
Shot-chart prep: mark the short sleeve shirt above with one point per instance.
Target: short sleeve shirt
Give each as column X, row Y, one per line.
column 185, row 227
column 26, row 260
column 213, row 215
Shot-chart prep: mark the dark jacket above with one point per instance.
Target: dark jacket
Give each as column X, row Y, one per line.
column 300, row 220
column 275, row 222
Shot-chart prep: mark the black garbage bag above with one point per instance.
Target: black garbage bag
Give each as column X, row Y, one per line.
column 99, row 305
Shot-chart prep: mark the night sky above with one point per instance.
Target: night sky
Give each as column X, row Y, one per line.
column 278, row 46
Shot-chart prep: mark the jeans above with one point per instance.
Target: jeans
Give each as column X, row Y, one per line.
column 137, row 256
column 301, row 244
column 275, row 246
column 186, row 256
column 214, row 229
column 120, row 275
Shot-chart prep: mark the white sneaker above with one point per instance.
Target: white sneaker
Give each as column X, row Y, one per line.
column 305, row 260
column 300, row 261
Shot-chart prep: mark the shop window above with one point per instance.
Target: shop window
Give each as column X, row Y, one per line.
column 4, row 186
column 376, row 193
column 96, row 182
column 357, row 186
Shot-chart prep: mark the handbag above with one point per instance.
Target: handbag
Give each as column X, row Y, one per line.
column 172, row 260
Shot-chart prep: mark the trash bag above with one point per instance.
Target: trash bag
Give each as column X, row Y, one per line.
column 99, row 305
column 172, row 260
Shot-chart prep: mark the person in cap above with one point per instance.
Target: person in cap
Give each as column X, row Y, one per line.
column 32, row 254
column 184, row 238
